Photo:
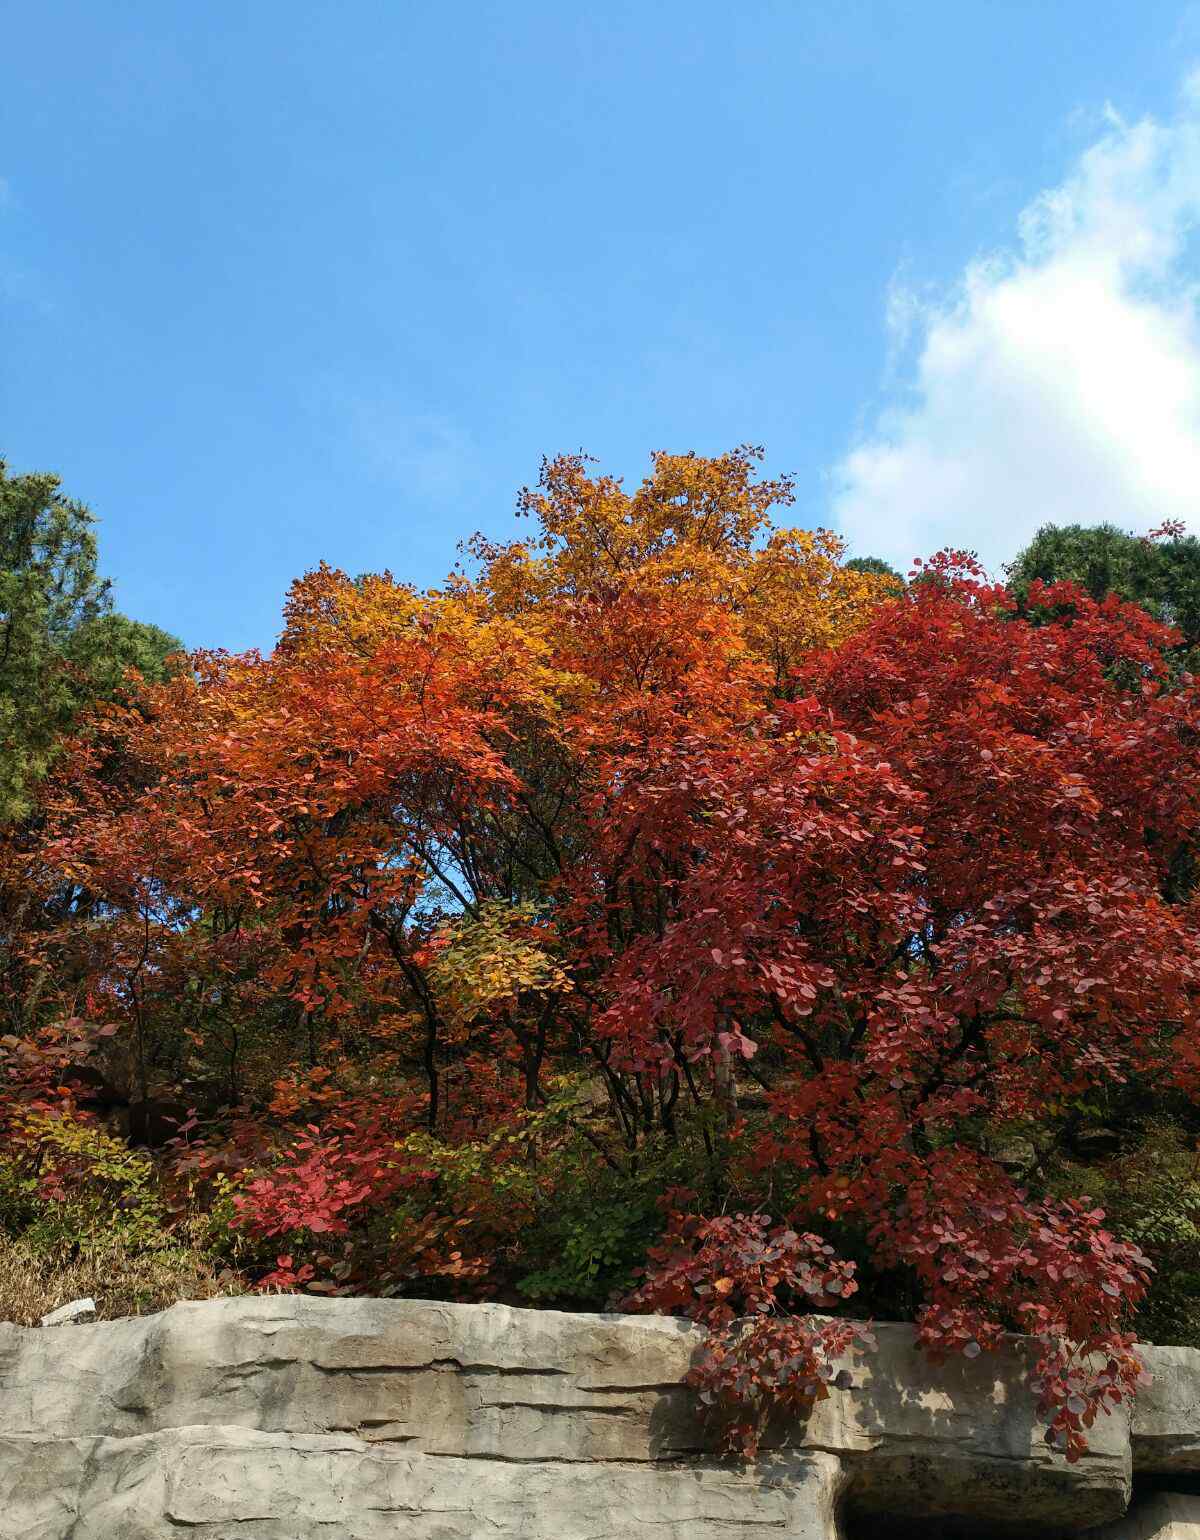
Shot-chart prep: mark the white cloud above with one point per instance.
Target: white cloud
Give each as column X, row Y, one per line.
column 1059, row 381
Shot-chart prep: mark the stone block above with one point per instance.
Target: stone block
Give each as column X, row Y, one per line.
column 73, row 1314
column 1162, row 1516
column 211, row 1483
column 278, row 1394
column 1165, row 1426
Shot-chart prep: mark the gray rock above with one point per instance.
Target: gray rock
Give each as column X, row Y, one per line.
column 1163, row 1516
column 1166, row 1415
column 1095, row 1143
column 964, row 1438
column 234, row 1411
column 448, row 1379
column 1015, row 1154
column 207, row 1482
column 69, row 1315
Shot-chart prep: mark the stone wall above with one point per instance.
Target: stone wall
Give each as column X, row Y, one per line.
column 289, row 1417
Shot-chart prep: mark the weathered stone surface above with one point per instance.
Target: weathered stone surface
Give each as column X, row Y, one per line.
column 1163, row 1516
column 211, row 1483
column 1166, row 1416
column 460, row 1414
column 447, row 1379
column 72, row 1314
column 964, row 1438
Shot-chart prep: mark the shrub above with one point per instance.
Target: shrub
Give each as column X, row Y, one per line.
column 122, row 1278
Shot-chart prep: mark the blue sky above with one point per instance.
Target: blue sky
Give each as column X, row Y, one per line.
column 282, row 283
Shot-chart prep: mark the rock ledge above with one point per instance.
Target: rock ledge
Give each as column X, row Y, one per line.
column 290, row 1417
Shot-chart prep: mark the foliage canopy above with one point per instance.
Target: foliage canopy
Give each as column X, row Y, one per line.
column 667, row 890
column 1159, row 571
column 61, row 642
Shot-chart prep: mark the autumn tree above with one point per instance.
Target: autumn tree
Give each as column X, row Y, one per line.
column 661, row 855
column 405, row 760
column 997, row 948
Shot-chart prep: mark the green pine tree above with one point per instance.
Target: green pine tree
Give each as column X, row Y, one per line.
column 1161, row 573
column 62, row 645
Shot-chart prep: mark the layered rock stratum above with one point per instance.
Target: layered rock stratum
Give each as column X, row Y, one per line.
column 297, row 1418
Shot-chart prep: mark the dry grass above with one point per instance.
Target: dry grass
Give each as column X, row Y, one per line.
column 32, row 1283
